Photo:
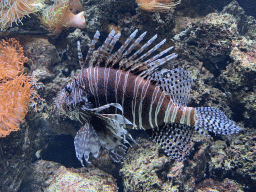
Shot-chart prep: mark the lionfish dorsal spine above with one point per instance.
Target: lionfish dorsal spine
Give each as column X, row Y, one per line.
column 159, row 54
column 136, row 42
column 132, row 57
column 118, row 55
column 152, row 50
column 105, row 50
column 79, row 54
column 91, row 49
column 151, row 67
column 109, row 63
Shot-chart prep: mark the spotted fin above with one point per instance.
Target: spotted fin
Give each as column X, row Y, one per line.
column 214, row 120
column 176, row 83
column 175, row 139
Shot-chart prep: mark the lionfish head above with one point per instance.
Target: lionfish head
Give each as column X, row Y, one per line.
column 72, row 98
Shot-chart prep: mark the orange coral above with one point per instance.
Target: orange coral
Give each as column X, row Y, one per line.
column 14, row 10
column 59, row 16
column 15, row 88
column 157, row 5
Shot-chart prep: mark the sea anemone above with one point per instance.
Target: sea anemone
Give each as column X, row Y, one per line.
column 157, row 5
column 59, row 16
column 14, row 10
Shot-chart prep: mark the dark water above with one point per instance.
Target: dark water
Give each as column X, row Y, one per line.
column 249, row 6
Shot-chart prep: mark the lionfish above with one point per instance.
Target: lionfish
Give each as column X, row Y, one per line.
column 127, row 90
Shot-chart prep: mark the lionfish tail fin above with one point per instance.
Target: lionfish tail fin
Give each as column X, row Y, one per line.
column 214, row 120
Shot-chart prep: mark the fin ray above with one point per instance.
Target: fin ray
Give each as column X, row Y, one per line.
column 86, row 142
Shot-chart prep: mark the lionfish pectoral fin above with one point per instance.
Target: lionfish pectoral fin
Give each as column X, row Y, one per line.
column 122, row 121
column 86, row 142
column 175, row 139
column 117, row 154
column 115, row 125
column 104, row 130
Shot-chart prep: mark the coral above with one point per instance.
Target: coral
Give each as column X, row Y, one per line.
column 145, row 169
column 51, row 176
column 225, row 185
column 59, row 16
column 157, row 5
column 14, row 10
column 15, row 88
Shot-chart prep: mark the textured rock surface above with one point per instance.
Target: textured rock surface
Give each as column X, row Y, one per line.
column 49, row 176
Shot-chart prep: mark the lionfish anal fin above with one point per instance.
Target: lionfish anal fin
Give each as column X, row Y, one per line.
column 175, row 139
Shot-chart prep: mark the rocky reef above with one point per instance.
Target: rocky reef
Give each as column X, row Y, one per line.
column 215, row 41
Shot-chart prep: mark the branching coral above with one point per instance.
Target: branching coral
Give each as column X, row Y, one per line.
column 14, row 10
column 157, row 5
column 15, row 88
column 59, row 16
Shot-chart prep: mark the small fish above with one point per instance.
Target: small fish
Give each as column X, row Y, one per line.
column 126, row 90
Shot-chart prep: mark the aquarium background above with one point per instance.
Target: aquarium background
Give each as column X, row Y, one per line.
column 215, row 40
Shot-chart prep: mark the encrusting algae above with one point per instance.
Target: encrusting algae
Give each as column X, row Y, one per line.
column 16, row 90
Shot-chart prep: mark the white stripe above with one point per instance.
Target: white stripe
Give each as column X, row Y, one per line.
column 158, row 107
column 124, row 86
column 117, row 81
column 167, row 112
column 174, row 114
column 182, row 119
column 96, row 82
column 189, row 114
column 106, row 77
column 135, row 92
column 154, row 95
column 142, row 96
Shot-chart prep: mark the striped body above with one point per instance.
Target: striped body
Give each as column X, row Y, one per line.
column 144, row 103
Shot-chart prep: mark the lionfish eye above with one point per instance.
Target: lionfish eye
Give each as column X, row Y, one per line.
column 68, row 89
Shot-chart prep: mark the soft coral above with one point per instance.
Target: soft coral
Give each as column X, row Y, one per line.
column 15, row 88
